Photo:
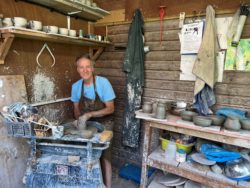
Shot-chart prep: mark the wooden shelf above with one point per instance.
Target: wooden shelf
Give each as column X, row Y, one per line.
column 8, row 34
column 66, row 6
column 175, row 124
column 157, row 160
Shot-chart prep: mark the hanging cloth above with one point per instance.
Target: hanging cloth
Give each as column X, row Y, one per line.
column 205, row 66
column 134, row 68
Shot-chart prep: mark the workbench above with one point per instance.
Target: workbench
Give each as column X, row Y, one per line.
column 69, row 162
column 172, row 123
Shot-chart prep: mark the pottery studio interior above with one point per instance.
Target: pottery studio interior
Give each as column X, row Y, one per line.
column 124, row 94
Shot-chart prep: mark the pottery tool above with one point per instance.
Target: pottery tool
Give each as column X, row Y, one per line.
column 161, row 20
column 53, row 57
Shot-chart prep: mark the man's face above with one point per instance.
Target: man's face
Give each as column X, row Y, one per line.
column 85, row 69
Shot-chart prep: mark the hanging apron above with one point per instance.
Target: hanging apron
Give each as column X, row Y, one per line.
column 87, row 105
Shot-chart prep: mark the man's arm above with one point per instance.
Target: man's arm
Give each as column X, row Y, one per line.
column 77, row 111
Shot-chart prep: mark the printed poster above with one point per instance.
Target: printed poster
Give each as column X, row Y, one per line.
column 238, row 58
column 191, row 37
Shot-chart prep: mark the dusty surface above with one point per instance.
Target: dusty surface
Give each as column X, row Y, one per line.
column 118, row 182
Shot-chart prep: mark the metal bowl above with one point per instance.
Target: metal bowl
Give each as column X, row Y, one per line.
column 238, row 169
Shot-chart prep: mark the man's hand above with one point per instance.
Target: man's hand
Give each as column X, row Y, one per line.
column 82, row 121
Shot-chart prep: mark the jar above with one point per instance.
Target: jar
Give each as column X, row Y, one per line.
column 232, row 123
column 180, row 156
column 170, row 151
column 147, row 107
column 161, row 111
column 154, row 106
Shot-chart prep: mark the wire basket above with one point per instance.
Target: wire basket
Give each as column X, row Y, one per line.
column 18, row 129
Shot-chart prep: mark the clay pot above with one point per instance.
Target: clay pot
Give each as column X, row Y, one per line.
column 154, row 106
column 161, row 111
column 232, row 123
column 188, row 115
column 202, row 121
column 217, row 120
column 245, row 124
column 147, row 107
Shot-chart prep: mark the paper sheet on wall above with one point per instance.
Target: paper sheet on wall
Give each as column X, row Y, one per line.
column 191, row 37
column 187, row 62
column 222, row 25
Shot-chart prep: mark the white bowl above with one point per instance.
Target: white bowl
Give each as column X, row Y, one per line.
column 63, row 31
column 72, row 33
column 7, row 22
column 50, row 29
column 20, row 22
column 35, row 25
column 181, row 104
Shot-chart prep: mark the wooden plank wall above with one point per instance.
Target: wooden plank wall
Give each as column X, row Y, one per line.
column 162, row 67
column 150, row 9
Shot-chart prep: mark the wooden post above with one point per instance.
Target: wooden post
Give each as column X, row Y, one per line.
column 146, row 144
column 5, row 46
column 95, row 55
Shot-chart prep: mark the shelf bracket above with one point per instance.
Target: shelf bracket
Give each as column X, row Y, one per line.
column 5, row 45
column 94, row 56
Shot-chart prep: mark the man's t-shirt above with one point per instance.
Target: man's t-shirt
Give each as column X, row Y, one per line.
column 103, row 88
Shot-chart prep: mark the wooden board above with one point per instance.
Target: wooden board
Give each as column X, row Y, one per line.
column 150, row 9
column 85, row 12
column 173, row 124
column 115, row 16
column 12, row 89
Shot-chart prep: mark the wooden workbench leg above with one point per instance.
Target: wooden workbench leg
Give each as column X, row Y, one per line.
column 146, row 147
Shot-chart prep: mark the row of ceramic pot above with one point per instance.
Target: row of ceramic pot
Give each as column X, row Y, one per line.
column 156, row 108
column 231, row 123
column 36, row 25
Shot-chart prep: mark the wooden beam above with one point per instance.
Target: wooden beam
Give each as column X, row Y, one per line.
column 94, row 56
column 5, row 46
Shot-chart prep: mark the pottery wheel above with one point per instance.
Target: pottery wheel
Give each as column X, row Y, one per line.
column 87, row 133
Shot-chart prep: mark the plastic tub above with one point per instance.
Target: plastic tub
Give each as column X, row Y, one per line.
column 186, row 147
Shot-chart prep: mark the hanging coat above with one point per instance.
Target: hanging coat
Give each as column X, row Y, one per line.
column 134, row 68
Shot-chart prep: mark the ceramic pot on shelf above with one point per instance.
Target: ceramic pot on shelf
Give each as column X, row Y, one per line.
column 232, row 123
column 161, row 110
column 147, row 107
column 154, row 107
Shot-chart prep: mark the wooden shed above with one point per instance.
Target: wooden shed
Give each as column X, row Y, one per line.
column 40, row 41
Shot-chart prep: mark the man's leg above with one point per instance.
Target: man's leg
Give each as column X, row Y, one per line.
column 106, row 172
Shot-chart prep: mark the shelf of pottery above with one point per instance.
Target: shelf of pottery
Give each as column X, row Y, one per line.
column 182, row 164
column 34, row 29
column 85, row 9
